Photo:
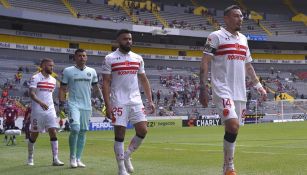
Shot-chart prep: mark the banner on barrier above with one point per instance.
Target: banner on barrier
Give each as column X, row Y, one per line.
column 105, row 124
column 201, row 123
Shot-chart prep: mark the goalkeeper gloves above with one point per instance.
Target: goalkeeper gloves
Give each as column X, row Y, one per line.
column 62, row 115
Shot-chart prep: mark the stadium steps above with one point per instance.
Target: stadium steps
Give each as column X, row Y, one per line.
column 72, row 10
column 133, row 18
column 48, row 6
column 264, row 28
column 210, row 18
column 243, row 6
column 289, row 4
column 5, row 4
column 158, row 16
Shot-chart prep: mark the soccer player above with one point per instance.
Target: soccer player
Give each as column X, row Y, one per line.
column 228, row 51
column 78, row 80
column 121, row 71
column 10, row 115
column 43, row 114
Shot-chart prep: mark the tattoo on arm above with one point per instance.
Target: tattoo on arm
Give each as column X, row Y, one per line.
column 251, row 73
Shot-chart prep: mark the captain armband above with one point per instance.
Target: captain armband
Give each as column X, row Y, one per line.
column 209, row 49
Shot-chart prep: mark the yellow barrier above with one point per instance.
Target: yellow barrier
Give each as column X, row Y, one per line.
column 6, row 4
column 141, row 50
column 278, row 56
column 34, row 41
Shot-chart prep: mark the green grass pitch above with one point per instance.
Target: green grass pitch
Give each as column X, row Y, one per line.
column 263, row 149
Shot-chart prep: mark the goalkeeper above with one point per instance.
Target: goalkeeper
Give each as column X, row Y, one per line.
column 78, row 80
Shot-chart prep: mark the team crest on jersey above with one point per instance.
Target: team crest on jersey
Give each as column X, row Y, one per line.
column 237, row 46
column 89, row 74
column 127, row 63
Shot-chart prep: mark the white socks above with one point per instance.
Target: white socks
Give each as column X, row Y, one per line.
column 229, row 150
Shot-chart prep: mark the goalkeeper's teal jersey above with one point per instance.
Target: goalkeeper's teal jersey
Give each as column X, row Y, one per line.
column 79, row 84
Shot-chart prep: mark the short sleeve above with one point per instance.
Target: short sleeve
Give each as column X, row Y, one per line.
column 33, row 82
column 64, row 79
column 141, row 68
column 95, row 77
column 106, row 66
column 248, row 55
column 211, row 45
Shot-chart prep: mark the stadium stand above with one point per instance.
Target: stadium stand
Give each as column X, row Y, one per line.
column 99, row 12
column 49, row 6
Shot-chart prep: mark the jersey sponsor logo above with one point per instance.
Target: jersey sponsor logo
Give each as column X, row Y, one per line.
column 81, row 79
column 127, row 72
column 236, row 57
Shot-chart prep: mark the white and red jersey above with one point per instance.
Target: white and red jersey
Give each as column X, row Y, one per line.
column 124, row 69
column 230, row 54
column 44, row 88
column 10, row 114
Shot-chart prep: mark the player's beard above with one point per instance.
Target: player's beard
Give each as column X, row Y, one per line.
column 49, row 72
column 125, row 48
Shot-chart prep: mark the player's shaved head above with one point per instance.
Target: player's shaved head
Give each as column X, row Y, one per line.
column 122, row 31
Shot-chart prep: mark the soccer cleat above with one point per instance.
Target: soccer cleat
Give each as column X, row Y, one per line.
column 57, row 162
column 73, row 163
column 80, row 164
column 128, row 165
column 230, row 172
column 30, row 162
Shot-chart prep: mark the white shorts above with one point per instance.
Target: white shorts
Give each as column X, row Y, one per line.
column 122, row 114
column 230, row 109
column 43, row 120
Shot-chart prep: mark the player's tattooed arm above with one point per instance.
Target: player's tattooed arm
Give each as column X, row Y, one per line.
column 147, row 90
column 38, row 101
column 203, row 75
column 97, row 92
column 251, row 73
